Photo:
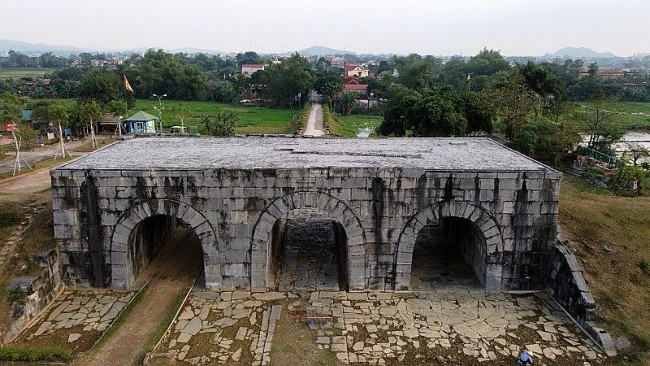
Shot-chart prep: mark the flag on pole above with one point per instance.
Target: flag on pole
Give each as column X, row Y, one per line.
column 127, row 86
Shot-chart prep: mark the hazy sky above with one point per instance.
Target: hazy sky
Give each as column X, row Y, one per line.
column 515, row 27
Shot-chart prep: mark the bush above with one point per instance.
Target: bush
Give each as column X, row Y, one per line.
column 8, row 218
column 644, row 266
column 35, row 354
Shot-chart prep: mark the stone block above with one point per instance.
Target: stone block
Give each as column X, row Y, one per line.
column 118, row 258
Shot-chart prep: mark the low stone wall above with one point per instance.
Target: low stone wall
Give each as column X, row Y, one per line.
column 39, row 292
column 568, row 287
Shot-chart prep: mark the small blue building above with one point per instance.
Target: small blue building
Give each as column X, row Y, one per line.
column 140, row 123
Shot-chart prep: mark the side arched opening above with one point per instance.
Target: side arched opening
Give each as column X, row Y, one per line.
column 448, row 255
column 166, row 245
column 449, row 243
column 163, row 235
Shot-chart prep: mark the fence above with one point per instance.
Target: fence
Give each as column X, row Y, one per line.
column 595, row 154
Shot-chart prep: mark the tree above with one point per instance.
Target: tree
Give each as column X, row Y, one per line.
column 419, row 74
column 328, row 84
column 635, row 153
column 116, row 107
column 347, row 102
column 435, row 114
column 284, row 82
column 479, row 112
column 249, row 57
column 222, row 124
column 101, row 85
column 540, row 80
column 592, row 70
column 400, row 99
column 223, row 91
column 52, row 61
column 547, row 141
column 625, row 178
column 182, row 112
column 86, row 114
column 59, row 114
column 11, row 106
column 487, row 62
column 601, row 124
column 515, row 102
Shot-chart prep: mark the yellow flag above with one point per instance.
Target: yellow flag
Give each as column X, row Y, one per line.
column 127, row 86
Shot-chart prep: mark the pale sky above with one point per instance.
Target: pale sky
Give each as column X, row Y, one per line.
column 450, row 27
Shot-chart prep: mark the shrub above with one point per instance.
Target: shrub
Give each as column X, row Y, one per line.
column 8, row 218
column 644, row 266
column 35, row 354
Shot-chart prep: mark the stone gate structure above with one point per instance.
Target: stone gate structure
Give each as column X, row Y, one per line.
column 112, row 207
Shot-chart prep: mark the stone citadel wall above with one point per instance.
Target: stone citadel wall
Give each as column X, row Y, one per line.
column 234, row 211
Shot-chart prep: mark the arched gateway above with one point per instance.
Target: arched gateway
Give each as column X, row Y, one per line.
column 265, row 209
column 124, row 249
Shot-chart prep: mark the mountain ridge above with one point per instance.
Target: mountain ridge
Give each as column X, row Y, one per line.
column 580, row 52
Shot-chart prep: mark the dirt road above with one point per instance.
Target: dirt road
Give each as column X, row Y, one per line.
column 171, row 272
column 33, row 182
column 38, row 154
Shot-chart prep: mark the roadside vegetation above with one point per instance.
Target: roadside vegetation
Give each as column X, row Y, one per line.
column 35, row 355
column 164, row 323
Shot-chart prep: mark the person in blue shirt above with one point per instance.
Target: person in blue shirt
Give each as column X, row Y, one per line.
column 525, row 359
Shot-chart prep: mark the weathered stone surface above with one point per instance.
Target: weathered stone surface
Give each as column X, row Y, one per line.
column 380, row 193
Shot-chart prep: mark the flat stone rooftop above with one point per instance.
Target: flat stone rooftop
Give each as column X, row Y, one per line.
column 198, row 153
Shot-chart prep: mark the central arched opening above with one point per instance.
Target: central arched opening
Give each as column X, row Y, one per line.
column 448, row 255
column 308, row 253
column 164, row 246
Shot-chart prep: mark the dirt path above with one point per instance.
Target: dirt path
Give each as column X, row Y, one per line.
column 172, row 271
column 32, row 182
column 38, row 154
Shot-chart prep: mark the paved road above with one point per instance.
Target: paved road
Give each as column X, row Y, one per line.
column 315, row 125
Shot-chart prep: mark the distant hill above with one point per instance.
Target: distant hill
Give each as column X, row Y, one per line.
column 322, row 50
column 581, row 52
column 60, row 50
column 7, row 45
column 191, row 50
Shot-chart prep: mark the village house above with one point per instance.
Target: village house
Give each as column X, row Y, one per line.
column 359, row 71
column 250, row 69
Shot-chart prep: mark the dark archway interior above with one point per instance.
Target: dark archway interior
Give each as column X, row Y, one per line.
column 448, row 255
column 163, row 244
column 308, row 254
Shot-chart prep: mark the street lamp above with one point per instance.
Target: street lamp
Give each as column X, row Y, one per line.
column 160, row 108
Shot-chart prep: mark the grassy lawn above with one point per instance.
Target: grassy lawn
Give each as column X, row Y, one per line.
column 348, row 126
column 20, row 73
column 633, row 115
column 253, row 119
column 620, row 281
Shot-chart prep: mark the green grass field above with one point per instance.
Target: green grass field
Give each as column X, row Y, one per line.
column 21, row 73
column 253, row 119
column 632, row 115
column 348, row 126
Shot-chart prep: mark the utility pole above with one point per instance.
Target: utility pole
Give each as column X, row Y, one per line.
column 160, row 108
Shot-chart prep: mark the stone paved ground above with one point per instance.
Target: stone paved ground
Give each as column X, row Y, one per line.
column 76, row 319
column 237, row 328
